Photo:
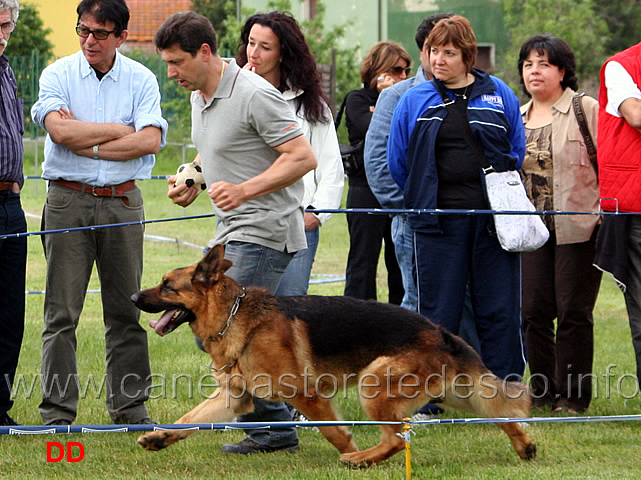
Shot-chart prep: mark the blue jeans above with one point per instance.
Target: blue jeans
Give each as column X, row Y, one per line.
column 263, row 267
column 403, row 238
column 295, row 281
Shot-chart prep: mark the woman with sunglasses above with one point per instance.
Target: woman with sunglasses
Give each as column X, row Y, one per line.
column 385, row 64
column 438, row 167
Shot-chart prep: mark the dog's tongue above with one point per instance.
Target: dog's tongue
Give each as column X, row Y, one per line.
column 160, row 324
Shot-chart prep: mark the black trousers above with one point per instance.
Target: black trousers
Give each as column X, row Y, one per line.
column 367, row 232
column 559, row 282
column 13, row 260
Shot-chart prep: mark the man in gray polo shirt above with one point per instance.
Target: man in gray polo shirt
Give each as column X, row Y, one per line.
column 253, row 156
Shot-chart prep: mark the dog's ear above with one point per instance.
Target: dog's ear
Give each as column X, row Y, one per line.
column 212, row 266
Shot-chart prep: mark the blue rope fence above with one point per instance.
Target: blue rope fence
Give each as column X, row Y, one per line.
column 371, row 211
column 68, row 429
column 56, row 429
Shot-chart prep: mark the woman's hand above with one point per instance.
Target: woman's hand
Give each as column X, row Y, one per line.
column 384, row 81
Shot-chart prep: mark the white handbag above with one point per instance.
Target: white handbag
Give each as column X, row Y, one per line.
column 505, row 192
column 516, row 233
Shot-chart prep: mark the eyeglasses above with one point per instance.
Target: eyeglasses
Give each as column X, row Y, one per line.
column 99, row 34
column 397, row 70
column 8, row 27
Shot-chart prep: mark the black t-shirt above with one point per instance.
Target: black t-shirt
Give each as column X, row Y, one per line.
column 459, row 170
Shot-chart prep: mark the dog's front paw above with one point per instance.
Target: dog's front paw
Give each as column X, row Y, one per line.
column 530, row 452
column 153, row 441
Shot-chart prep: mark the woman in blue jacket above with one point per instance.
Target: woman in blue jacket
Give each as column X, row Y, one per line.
column 436, row 167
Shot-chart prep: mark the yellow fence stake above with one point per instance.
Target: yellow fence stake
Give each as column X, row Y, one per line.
column 407, row 436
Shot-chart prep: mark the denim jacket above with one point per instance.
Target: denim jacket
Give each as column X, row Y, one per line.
column 385, row 189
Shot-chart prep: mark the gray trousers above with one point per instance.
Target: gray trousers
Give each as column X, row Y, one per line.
column 118, row 255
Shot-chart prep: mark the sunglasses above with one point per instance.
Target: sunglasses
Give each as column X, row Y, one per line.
column 397, row 70
column 84, row 32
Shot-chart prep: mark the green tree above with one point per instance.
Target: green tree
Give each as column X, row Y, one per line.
column 223, row 15
column 321, row 42
column 623, row 18
column 30, row 35
column 575, row 21
column 214, row 10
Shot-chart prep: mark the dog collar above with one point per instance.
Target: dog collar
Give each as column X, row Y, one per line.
column 216, row 370
column 232, row 314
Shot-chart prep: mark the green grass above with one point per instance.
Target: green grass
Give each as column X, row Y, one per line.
column 575, row 450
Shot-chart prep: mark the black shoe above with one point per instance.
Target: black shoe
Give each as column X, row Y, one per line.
column 430, row 409
column 141, row 421
column 144, row 421
column 60, row 421
column 248, row 446
column 7, row 421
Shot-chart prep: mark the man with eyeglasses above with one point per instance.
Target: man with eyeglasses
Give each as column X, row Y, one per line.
column 104, row 125
column 13, row 251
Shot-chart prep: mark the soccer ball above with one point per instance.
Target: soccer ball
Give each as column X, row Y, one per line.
column 191, row 174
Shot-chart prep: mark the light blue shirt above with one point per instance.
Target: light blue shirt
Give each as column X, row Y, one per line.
column 127, row 94
column 380, row 181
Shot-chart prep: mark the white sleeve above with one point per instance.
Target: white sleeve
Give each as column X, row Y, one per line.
column 620, row 87
column 324, row 185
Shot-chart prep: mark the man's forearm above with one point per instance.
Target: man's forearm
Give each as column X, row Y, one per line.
column 132, row 146
column 75, row 134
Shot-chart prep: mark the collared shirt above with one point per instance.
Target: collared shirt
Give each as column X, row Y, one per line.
column 236, row 133
column 574, row 185
column 11, row 126
column 127, row 94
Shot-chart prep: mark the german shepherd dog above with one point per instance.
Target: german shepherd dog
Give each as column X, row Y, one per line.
column 310, row 347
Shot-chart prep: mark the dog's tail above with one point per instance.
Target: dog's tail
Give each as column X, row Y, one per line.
column 471, row 386
column 487, row 395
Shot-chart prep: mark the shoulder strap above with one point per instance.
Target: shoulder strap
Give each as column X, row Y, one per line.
column 577, row 103
column 339, row 115
column 463, row 125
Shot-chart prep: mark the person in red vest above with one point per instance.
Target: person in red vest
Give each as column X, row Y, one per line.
column 619, row 159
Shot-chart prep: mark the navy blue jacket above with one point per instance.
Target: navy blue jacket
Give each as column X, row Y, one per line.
column 495, row 120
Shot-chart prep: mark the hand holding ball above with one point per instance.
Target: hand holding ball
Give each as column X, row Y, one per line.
column 191, row 174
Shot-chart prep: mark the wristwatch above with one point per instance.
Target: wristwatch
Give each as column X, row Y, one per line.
column 95, row 152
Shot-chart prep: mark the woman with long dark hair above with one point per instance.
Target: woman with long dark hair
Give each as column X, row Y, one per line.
column 273, row 46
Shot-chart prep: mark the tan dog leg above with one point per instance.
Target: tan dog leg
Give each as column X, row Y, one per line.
column 390, row 445
column 522, row 443
column 219, row 408
column 319, row 409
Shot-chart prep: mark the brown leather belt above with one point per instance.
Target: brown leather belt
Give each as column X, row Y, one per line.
column 6, row 186
column 117, row 191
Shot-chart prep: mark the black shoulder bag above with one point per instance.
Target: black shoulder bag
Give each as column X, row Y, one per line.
column 349, row 153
